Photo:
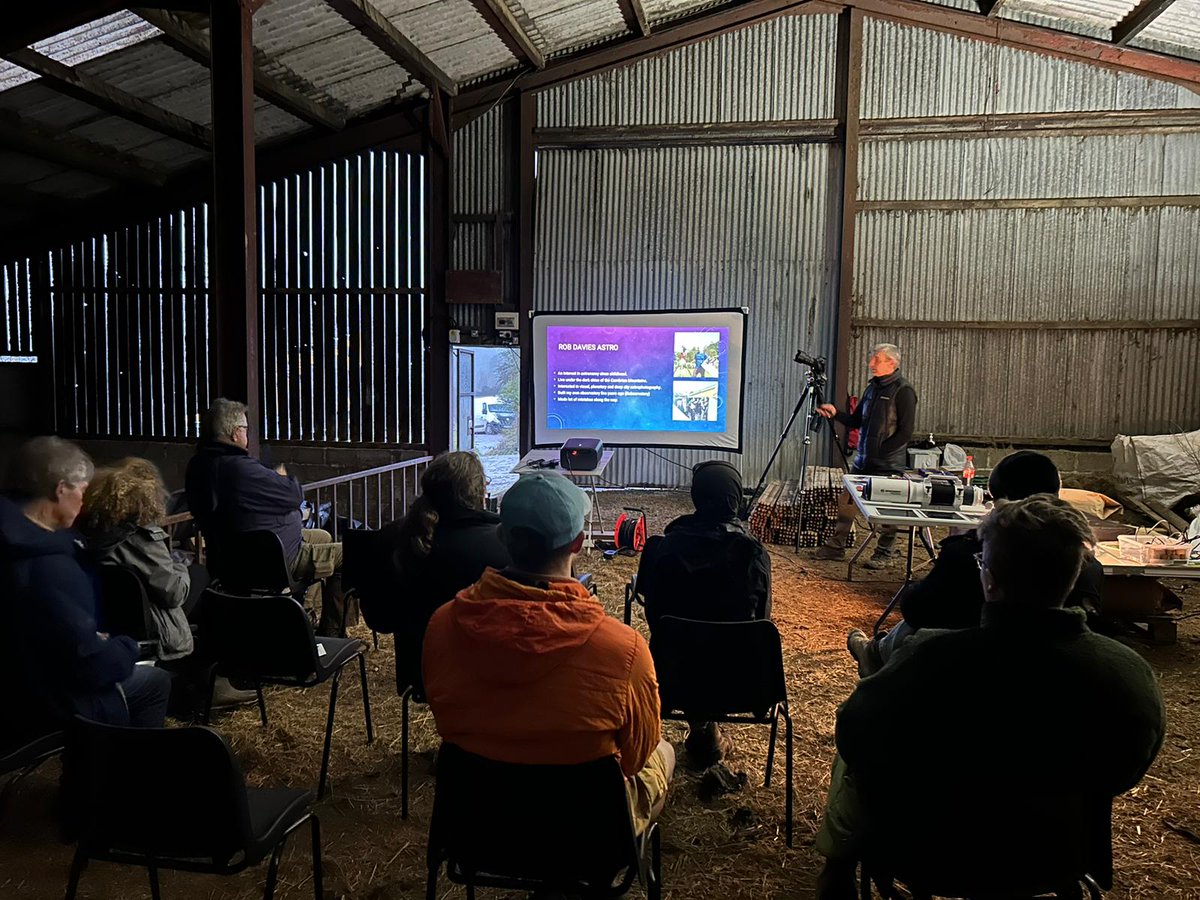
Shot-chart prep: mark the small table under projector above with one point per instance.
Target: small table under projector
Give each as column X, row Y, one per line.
column 588, row 479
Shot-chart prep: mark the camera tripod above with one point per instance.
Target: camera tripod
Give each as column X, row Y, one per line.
column 813, row 396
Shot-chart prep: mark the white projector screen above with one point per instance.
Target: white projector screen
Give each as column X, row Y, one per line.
column 652, row 379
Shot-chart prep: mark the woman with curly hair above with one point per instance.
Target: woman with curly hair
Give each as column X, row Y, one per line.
column 122, row 518
column 442, row 546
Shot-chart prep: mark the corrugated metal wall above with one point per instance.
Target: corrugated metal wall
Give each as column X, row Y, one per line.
column 1076, row 323
column 702, row 226
column 697, row 227
column 482, row 211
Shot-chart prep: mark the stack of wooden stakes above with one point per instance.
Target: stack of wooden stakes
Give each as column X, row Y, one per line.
column 777, row 516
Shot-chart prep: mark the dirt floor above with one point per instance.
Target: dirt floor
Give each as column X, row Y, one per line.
column 729, row 849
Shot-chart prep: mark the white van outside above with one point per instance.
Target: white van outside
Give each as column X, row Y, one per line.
column 493, row 414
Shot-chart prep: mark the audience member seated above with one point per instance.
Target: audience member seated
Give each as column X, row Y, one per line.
column 54, row 661
column 122, row 518
column 707, row 566
column 230, row 492
column 1010, row 718
column 526, row 667
column 951, row 596
column 442, row 546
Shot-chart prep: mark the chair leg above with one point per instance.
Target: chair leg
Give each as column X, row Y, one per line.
column 206, row 715
column 771, row 747
column 362, row 674
column 404, row 752
column 654, row 885
column 864, row 881
column 1093, row 889
column 262, row 704
column 318, row 868
column 273, row 870
column 333, row 693
column 155, row 891
column 787, row 788
column 375, row 638
column 77, row 864
column 431, row 883
column 470, row 891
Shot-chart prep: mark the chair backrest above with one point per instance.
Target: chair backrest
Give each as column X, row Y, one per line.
column 699, row 576
column 557, row 825
column 258, row 635
column 718, row 668
column 366, row 563
column 978, row 843
column 163, row 792
column 124, row 601
column 251, row 561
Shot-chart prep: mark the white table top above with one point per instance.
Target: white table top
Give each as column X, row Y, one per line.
column 523, row 465
column 911, row 516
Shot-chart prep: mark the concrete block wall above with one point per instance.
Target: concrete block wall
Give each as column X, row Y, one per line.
column 1079, row 468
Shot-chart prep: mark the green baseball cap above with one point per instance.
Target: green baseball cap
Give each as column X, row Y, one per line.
column 548, row 505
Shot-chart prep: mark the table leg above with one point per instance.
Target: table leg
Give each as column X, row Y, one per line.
column 858, row 553
column 887, row 610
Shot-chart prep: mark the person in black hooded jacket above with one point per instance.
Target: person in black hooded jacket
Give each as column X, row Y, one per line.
column 441, row 547
column 707, row 566
column 55, row 660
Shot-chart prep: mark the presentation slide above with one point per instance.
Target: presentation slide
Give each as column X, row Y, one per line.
column 650, row 379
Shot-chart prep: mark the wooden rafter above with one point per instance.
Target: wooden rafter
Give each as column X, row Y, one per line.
column 501, row 20
column 101, row 94
column 277, row 90
column 23, row 136
column 376, row 28
column 634, row 15
column 1139, row 17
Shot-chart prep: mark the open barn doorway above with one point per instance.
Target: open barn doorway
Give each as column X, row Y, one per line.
column 485, row 397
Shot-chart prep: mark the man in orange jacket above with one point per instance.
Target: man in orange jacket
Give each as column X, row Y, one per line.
column 524, row 666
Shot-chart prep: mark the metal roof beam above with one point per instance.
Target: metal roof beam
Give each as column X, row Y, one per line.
column 1139, row 17
column 376, row 28
column 196, row 46
column 634, row 15
column 23, row 136
column 101, row 94
column 500, row 19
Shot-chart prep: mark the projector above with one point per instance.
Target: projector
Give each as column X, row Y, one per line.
column 580, row 454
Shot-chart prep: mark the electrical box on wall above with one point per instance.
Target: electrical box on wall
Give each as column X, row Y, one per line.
column 507, row 321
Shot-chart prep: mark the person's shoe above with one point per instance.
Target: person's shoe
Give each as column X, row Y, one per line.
column 829, row 551
column 879, row 560
column 837, row 880
column 865, row 651
column 225, row 695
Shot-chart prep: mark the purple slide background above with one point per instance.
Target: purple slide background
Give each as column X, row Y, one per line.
column 646, row 352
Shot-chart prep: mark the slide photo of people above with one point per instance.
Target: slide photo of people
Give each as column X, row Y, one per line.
column 697, row 354
column 695, row 401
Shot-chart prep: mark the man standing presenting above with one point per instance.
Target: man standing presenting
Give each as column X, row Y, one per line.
column 886, row 415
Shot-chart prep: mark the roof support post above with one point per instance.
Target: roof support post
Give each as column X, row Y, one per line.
column 234, row 237
column 848, row 87
column 524, row 113
column 438, row 148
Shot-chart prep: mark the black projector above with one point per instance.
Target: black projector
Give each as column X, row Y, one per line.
column 580, row 454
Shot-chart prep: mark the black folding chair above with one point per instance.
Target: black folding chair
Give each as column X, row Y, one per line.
column 18, row 761
column 125, row 606
column 632, row 596
column 252, row 562
column 175, row 798
column 365, row 555
column 1010, row 844
column 523, row 827
column 268, row 639
column 730, row 672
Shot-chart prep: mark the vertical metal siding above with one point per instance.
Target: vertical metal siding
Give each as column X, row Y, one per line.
column 1120, row 165
column 696, row 227
column 911, row 71
column 17, row 298
column 778, row 70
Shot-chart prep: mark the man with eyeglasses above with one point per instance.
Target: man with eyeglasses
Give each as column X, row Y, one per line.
column 972, row 739
column 230, row 492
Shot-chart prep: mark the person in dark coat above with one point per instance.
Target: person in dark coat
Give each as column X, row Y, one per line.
column 442, row 546
column 950, row 596
column 969, row 739
column 707, row 566
column 886, row 416
column 230, row 492
column 55, row 661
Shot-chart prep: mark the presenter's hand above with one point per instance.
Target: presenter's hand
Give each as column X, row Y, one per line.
column 828, row 410
column 281, row 469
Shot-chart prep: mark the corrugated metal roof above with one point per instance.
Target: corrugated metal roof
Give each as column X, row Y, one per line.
column 1177, row 30
column 452, row 33
column 696, row 227
column 910, row 71
column 778, row 70
column 567, row 24
column 78, row 45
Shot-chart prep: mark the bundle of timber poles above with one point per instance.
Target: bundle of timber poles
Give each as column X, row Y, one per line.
column 776, row 517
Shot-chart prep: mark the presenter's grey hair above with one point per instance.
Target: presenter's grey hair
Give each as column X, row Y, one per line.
column 891, row 351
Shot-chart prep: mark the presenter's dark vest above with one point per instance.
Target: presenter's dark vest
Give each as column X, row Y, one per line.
column 879, row 424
